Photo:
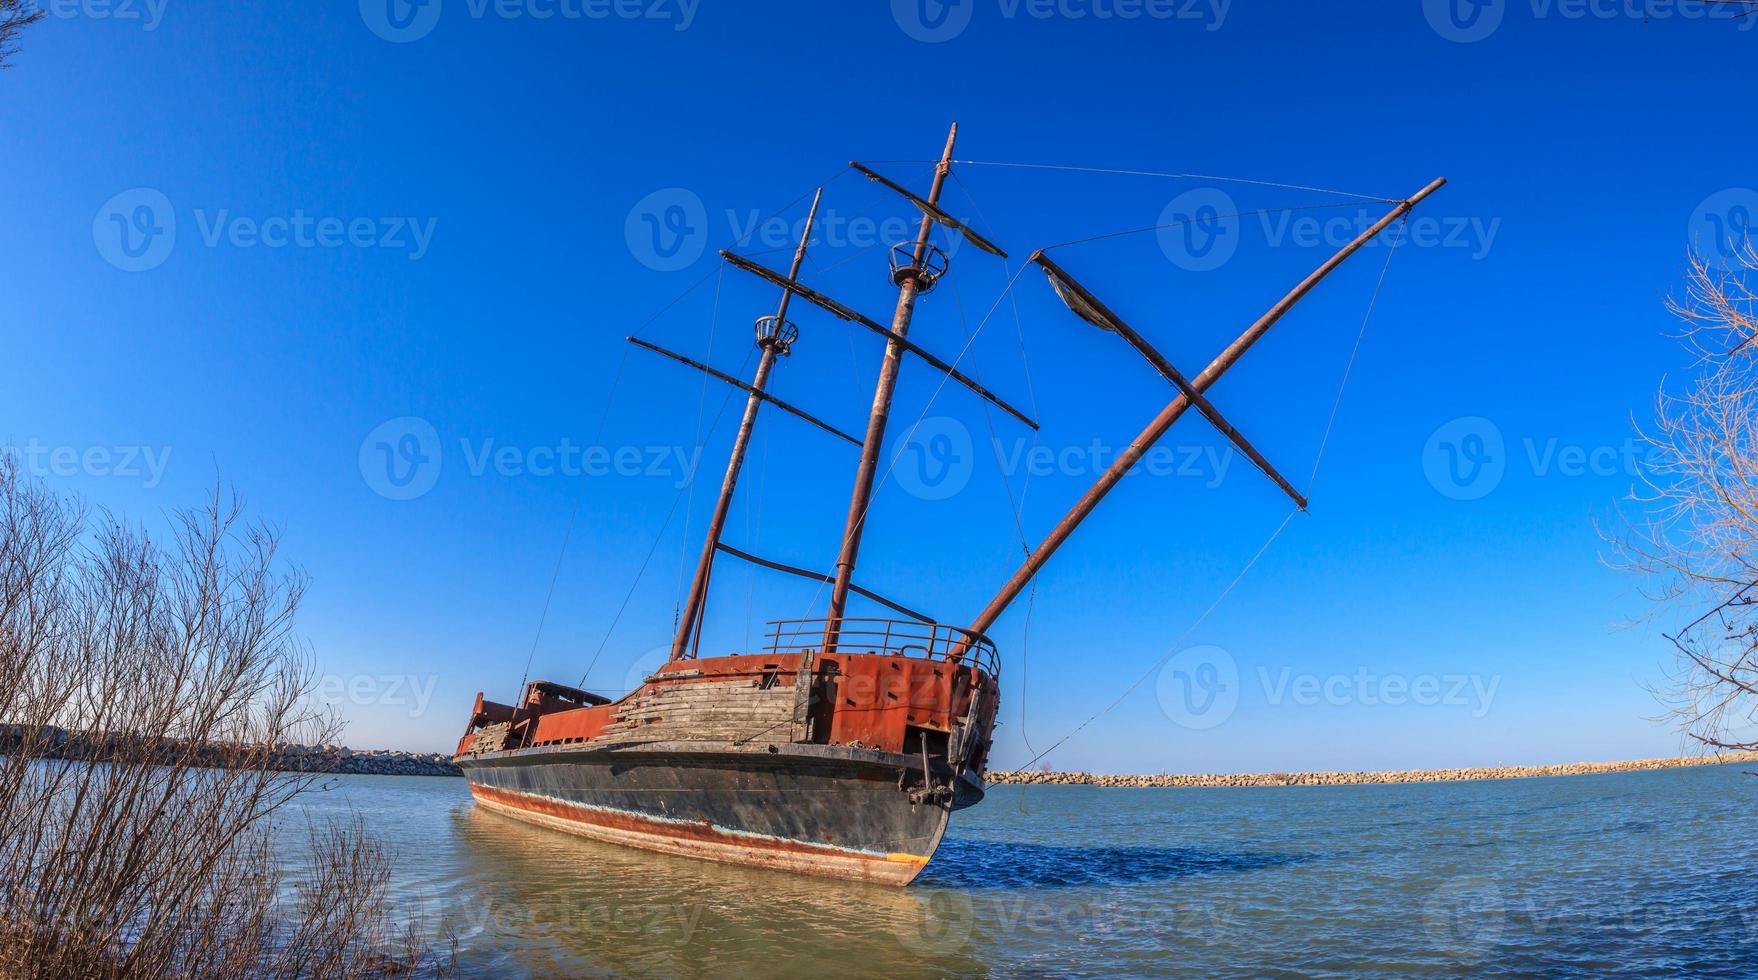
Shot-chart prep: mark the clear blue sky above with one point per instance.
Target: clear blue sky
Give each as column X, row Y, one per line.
column 458, row 226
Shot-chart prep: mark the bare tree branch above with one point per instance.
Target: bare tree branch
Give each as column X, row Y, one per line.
column 146, row 691
column 1693, row 536
column 15, row 16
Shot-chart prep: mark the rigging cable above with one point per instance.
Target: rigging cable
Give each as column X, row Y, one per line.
column 580, row 497
column 1180, row 224
column 1015, row 507
column 677, row 598
column 652, row 550
column 1025, row 485
column 1155, row 173
column 1173, row 649
column 921, row 416
column 1005, row 293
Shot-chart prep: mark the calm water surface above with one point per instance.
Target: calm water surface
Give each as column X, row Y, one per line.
column 1633, row 874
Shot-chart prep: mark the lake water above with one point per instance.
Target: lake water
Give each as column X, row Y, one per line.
column 1637, row 874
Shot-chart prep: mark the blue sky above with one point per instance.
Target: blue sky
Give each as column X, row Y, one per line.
column 265, row 241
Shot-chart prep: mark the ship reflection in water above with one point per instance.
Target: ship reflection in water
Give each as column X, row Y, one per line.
column 1645, row 872
column 558, row 904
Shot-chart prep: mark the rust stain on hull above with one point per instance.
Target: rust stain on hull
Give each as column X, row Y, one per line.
column 701, row 840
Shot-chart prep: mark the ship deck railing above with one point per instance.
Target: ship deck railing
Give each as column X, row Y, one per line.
column 892, row 637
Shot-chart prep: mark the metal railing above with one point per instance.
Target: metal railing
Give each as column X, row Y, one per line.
column 895, row 637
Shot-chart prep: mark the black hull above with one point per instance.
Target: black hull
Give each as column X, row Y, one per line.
column 813, row 809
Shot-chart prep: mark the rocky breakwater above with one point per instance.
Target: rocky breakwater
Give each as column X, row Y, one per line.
column 365, row 762
column 1212, row 780
column 50, row 742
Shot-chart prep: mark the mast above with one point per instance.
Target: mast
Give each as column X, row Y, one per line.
column 910, row 281
column 774, row 336
column 1170, row 414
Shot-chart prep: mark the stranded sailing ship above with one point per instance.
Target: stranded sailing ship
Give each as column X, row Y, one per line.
column 845, row 745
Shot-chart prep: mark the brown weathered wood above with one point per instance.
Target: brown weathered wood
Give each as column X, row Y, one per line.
column 1093, row 310
column 826, row 579
column 892, row 336
column 932, row 210
column 749, row 389
column 1170, row 414
column 908, row 291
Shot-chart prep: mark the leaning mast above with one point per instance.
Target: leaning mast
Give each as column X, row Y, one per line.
column 1190, row 392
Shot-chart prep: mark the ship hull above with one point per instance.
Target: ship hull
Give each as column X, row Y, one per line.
column 810, row 809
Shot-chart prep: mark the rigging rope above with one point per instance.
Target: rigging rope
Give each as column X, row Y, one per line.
column 657, row 538
column 573, row 515
column 1173, row 650
column 1349, row 367
column 579, row 498
column 1180, row 224
column 1025, row 659
column 701, row 411
column 1155, row 173
column 1324, row 441
column 880, row 483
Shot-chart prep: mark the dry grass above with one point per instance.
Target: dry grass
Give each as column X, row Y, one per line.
column 172, row 654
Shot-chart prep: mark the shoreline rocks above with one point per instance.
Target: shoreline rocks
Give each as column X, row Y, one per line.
column 1222, row 780
column 363, row 762
column 55, row 743
column 51, row 742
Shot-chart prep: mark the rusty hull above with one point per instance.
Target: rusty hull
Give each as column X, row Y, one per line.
column 852, row 774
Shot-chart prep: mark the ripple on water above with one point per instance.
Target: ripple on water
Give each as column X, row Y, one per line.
column 1634, row 873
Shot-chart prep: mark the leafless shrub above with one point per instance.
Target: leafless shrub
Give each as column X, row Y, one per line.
column 144, row 689
column 15, row 16
column 1693, row 536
